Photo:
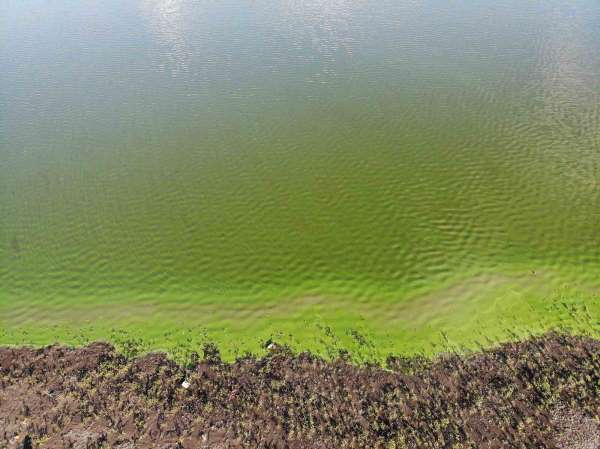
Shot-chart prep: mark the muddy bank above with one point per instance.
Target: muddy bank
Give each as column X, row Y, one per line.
column 541, row 393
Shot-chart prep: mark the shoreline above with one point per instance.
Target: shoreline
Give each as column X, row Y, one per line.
column 540, row 392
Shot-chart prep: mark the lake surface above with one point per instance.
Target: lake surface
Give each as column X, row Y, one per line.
column 254, row 167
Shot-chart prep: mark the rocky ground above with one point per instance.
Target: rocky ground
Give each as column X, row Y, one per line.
column 540, row 393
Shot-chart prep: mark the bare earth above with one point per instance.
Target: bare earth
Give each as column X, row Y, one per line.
column 540, row 393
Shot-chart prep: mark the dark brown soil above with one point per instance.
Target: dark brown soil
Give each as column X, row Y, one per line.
column 541, row 393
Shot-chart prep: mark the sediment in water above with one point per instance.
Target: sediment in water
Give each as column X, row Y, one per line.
column 539, row 393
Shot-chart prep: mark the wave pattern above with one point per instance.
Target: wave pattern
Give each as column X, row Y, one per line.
column 237, row 152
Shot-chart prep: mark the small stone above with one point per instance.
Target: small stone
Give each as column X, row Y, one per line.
column 185, row 384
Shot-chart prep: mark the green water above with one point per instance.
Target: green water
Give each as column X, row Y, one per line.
column 422, row 171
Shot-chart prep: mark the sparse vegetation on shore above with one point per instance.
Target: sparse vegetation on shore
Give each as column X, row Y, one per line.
column 543, row 392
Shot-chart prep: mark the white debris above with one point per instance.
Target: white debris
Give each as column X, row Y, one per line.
column 271, row 346
column 185, row 384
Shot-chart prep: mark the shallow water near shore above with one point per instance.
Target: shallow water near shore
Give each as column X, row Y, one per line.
column 422, row 171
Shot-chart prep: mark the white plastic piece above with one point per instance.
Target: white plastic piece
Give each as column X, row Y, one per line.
column 185, row 384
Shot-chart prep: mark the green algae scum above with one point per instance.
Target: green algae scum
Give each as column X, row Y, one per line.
column 378, row 176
